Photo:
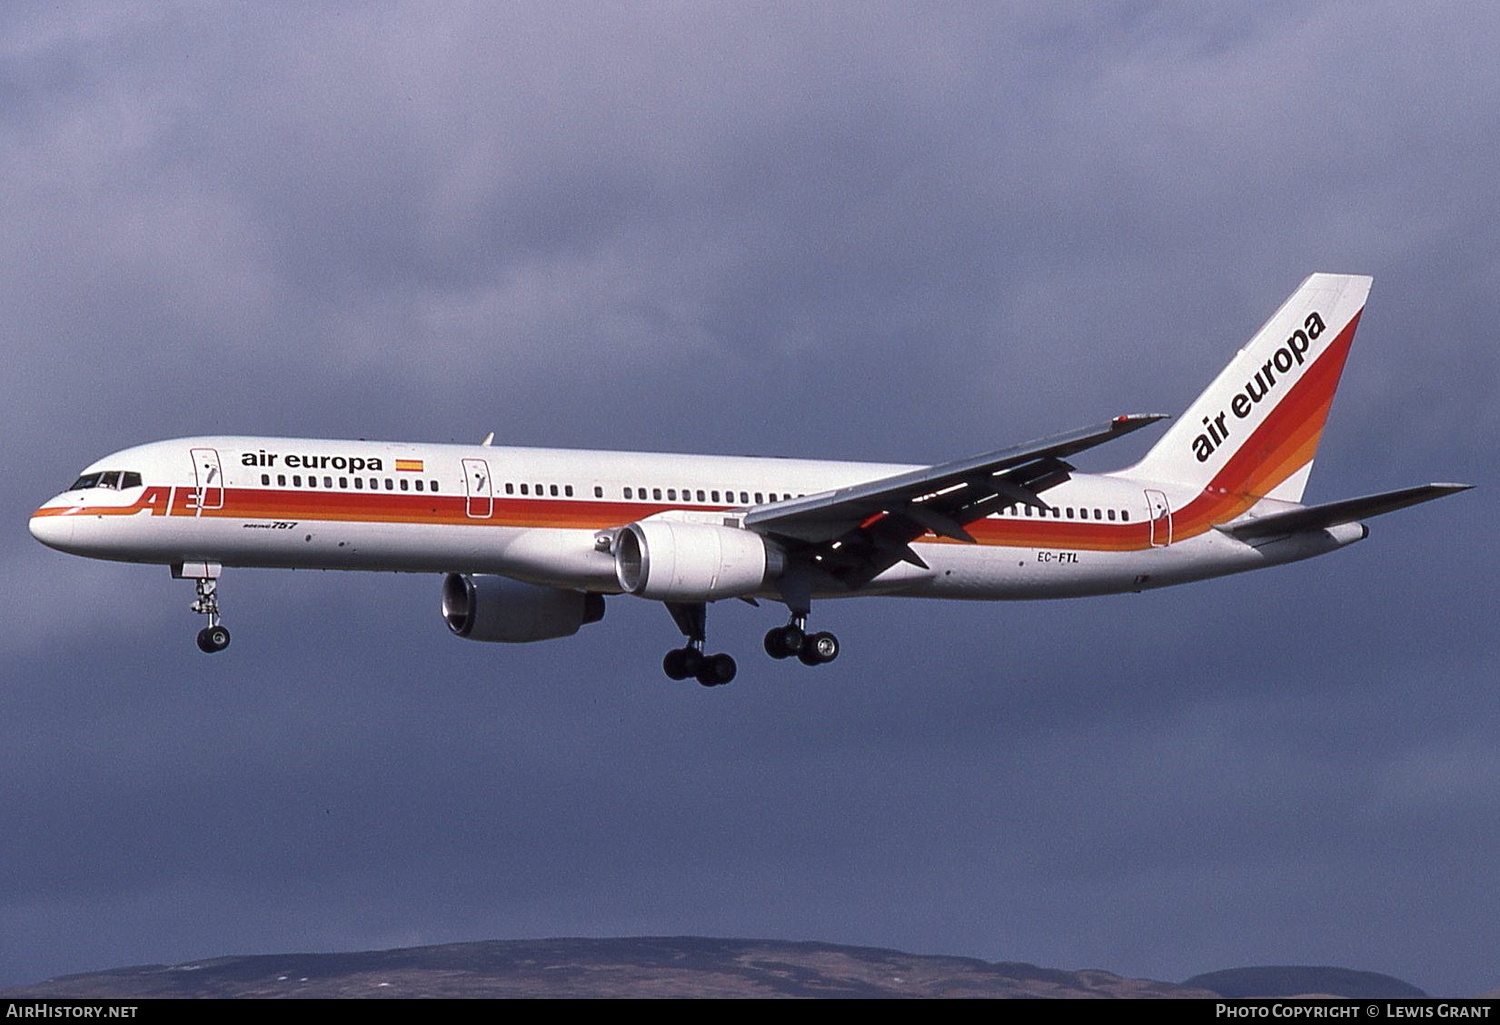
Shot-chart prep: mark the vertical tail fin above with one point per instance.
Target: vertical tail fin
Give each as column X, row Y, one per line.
column 1255, row 429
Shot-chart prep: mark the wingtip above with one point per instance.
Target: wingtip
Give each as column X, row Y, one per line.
column 1140, row 419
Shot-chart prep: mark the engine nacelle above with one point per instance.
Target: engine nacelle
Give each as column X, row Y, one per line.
column 675, row 561
column 494, row 608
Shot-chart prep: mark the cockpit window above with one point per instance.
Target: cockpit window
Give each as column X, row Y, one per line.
column 115, row 480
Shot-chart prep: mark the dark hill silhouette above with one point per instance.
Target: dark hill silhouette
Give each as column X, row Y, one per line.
column 1294, row 980
column 650, row 967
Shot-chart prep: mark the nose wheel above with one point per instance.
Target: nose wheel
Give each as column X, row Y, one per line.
column 213, row 637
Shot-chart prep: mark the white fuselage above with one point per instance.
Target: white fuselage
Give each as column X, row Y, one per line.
column 549, row 516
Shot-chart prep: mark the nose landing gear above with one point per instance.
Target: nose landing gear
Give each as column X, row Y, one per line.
column 215, row 636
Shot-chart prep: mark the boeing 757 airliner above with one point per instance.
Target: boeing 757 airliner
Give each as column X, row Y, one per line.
column 531, row 540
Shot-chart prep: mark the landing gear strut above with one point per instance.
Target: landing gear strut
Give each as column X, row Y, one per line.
column 213, row 637
column 690, row 661
column 793, row 639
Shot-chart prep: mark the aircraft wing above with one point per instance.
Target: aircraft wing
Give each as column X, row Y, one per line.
column 1330, row 514
column 859, row 531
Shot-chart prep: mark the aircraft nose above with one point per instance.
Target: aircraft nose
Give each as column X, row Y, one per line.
column 52, row 529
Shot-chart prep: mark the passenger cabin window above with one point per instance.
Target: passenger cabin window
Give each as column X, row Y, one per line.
column 627, row 492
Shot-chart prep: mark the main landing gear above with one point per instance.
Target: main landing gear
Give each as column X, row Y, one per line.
column 793, row 639
column 689, row 660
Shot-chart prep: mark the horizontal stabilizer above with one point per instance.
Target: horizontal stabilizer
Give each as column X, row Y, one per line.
column 1319, row 517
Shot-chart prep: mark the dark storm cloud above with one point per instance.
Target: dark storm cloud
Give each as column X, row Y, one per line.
column 866, row 231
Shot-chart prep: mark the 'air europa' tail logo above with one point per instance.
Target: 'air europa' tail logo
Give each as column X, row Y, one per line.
column 1293, row 352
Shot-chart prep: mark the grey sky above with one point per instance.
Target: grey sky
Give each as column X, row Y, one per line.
column 847, row 230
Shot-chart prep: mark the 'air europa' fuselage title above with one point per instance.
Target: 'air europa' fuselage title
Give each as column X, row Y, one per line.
column 1293, row 352
column 294, row 461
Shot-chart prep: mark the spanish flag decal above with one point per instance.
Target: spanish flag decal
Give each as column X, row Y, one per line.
column 414, row 465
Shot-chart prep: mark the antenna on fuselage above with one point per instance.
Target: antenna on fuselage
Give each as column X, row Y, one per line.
column 488, row 439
